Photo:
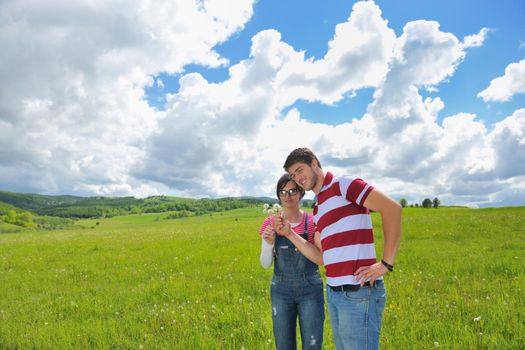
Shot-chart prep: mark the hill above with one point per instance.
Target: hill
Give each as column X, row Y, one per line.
column 76, row 207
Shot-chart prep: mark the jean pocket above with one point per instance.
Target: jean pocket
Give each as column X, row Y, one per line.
column 360, row 295
column 353, row 296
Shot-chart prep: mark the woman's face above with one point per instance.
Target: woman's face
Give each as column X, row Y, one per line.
column 290, row 195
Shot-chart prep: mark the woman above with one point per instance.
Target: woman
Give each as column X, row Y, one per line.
column 297, row 287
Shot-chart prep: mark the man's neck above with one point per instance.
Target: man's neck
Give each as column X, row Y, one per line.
column 319, row 184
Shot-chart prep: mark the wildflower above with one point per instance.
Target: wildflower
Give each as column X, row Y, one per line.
column 436, row 344
column 275, row 209
column 477, row 319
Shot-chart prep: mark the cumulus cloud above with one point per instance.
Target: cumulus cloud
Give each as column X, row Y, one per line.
column 357, row 57
column 476, row 40
column 502, row 89
column 248, row 104
column 73, row 113
column 508, row 142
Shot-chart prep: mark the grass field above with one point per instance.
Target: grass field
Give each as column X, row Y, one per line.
column 136, row 282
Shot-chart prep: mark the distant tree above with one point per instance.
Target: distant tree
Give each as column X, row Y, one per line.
column 436, row 203
column 25, row 219
column 427, row 203
column 416, row 205
column 403, row 202
column 10, row 217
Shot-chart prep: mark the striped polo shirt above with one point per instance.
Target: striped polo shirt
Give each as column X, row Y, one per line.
column 345, row 225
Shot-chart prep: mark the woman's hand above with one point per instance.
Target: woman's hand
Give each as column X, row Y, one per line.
column 282, row 226
column 269, row 234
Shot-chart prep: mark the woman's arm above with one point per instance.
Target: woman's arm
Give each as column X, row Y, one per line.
column 268, row 240
column 266, row 254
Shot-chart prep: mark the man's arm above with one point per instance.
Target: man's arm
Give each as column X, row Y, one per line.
column 390, row 212
column 310, row 251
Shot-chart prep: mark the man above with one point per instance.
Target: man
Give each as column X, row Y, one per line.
column 355, row 290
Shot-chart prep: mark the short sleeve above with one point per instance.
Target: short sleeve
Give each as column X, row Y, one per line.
column 355, row 190
column 266, row 222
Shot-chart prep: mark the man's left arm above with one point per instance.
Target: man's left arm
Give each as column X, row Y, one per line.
column 390, row 212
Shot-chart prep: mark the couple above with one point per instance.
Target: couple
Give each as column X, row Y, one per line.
column 339, row 236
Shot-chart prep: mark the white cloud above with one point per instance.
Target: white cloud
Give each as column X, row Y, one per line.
column 508, row 142
column 502, row 89
column 73, row 113
column 357, row 57
column 476, row 40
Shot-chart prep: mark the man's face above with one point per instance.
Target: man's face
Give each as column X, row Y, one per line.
column 303, row 175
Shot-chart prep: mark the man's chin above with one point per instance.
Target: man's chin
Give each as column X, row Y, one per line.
column 307, row 188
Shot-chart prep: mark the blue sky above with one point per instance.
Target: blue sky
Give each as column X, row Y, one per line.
column 309, row 25
column 198, row 99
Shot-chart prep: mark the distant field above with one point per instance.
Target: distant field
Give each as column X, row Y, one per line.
column 138, row 282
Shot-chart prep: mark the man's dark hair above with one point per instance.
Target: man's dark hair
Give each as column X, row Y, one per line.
column 282, row 183
column 300, row 155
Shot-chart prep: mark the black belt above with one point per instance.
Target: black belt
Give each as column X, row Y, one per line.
column 350, row 287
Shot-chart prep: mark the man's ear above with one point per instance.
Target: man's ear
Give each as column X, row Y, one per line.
column 315, row 164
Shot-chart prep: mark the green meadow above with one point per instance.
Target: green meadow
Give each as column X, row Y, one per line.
column 142, row 282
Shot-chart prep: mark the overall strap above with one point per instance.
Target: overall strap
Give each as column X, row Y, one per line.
column 305, row 233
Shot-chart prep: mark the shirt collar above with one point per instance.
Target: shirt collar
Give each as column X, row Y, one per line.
column 327, row 179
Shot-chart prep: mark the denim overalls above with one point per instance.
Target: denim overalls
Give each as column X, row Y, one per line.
column 297, row 290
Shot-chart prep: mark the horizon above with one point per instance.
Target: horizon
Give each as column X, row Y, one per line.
column 202, row 101
column 409, row 204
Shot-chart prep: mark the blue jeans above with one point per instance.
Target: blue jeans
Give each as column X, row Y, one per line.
column 356, row 316
column 298, row 297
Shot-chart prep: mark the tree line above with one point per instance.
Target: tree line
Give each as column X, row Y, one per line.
column 426, row 203
column 41, row 211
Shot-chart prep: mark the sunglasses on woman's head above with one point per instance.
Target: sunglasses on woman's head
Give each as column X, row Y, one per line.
column 290, row 192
